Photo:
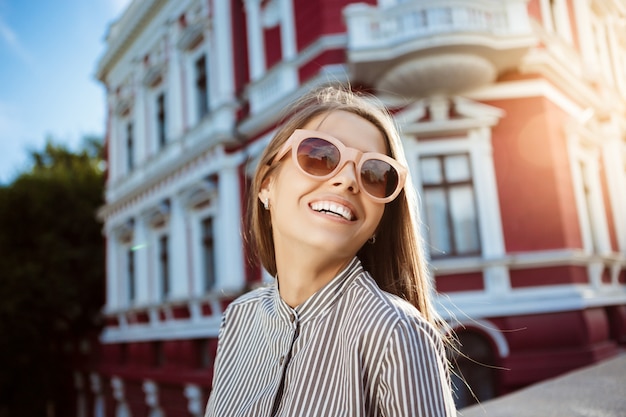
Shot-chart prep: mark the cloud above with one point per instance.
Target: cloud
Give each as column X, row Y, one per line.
column 9, row 37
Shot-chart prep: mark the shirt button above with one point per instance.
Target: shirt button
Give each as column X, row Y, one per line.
column 293, row 318
column 280, row 362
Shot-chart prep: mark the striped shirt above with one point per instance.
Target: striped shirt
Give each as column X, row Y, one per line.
column 349, row 350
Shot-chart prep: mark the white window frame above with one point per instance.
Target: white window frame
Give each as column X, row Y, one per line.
column 591, row 210
column 190, row 58
column 156, row 235
column 483, row 179
column 151, row 95
column 196, row 218
column 447, row 187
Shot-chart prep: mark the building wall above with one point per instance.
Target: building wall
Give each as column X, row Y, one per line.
column 543, row 289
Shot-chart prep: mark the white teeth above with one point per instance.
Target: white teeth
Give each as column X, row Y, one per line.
column 333, row 208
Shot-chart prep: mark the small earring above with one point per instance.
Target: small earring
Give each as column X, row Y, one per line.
column 266, row 203
column 372, row 239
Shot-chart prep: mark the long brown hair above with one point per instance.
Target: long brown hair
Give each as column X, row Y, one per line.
column 396, row 259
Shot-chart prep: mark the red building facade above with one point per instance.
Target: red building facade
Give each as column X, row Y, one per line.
column 514, row 123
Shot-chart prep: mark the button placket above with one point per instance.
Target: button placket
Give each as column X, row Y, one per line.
column 284, row 362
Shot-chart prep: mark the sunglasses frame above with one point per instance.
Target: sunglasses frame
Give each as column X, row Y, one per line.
column 346, row 154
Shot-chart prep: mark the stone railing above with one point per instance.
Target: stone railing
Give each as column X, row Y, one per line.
column 374, row 27
column 277, row 83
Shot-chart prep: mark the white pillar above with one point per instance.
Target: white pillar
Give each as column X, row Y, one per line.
column 112, row 279
column 116, row 151
column 229, row 244
column 287, row 30
column 497, row 279
column 518, row 21
column 582, row 13
column 178, row 250
column 486, row 190
column 195, row 405
column 176, row 89
column 614, row 161
column 222, row 61
column 256, row 48
column 140, row 248
column 142, row 143
column 599, row 226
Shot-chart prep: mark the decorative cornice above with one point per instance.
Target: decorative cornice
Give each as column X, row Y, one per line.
column 123, row 32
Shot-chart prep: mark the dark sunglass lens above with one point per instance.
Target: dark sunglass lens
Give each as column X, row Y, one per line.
column 379, row 178
column 317, row 156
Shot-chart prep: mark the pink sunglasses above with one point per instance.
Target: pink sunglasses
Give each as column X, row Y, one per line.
column 321, row 156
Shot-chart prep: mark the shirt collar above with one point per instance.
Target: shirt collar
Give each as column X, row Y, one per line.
column 323, row 299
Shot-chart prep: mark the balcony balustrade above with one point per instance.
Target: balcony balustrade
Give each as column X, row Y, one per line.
column 276, row 84
column 421, row 48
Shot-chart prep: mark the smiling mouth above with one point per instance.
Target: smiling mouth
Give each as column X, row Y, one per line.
column 332, row 208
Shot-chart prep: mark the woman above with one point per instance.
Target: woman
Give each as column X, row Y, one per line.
column 347, row 328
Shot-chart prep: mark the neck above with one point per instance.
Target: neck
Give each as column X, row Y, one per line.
column 301, row 274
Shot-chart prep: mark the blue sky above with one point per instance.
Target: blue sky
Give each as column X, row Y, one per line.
column 49, row 50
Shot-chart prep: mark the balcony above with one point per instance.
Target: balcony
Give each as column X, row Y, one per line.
column 421, row 48
column 278, row 83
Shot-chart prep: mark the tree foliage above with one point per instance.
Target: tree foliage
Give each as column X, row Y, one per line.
column 51, row 276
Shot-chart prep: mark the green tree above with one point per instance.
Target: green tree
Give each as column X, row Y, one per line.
column 51, row 277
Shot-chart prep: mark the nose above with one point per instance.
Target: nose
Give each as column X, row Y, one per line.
column 346, row 178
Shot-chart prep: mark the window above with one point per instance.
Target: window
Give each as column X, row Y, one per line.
column 202, row 97
column 208, row 254
column 130, row 274
column 450, row 205
column 164, row 266
column 161, row 120
column 130, row 146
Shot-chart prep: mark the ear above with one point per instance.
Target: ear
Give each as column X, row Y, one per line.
column 264, row 193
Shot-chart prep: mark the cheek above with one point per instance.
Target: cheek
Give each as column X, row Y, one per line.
column 375, row 215
column 289, row 185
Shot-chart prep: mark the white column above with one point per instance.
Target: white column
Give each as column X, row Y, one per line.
column 112, row 279
column 256, row 48
column 222, row 61
column 115, row 160
column 497, row 279
column 615, row 27
column 178, row 250
column 229, row 245
column 599, row 226
column 517, row 17
column 141, row 246
column 582, row 13
column 195, row 405
column 486, row 193
column 287, row 30
column 561, row 17
column 358, row 17
column 143, row 144
column 615, row 171
column 175, row 88
column 147, row 121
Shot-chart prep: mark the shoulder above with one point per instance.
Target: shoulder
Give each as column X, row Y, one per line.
column 252, row 299
column 385, row 313
column 384, row 303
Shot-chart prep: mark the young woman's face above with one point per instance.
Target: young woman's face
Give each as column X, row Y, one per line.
column 332, row 215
